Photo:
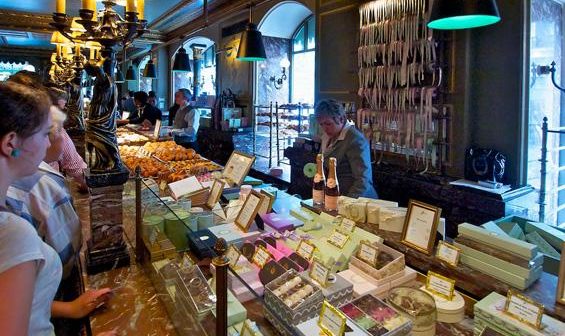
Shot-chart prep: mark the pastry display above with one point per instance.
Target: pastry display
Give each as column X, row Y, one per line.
column 376, row 317
column 419, row 306
column 149, row 166
column 126, row 137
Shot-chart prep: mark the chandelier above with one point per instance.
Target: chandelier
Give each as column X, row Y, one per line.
column 106, row 28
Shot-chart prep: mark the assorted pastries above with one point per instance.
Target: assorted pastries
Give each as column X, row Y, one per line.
column 126, row 137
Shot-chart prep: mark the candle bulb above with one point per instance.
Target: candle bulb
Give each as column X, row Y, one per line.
column 60, row 6
column 89, row 4
column 59, row 50
column 130, row 6
column 91, row 54
column 77, row 50
column 141, row 9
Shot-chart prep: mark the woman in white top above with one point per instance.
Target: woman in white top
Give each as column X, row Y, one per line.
column 30, row 270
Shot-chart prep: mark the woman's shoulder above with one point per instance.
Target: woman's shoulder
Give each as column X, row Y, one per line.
column 19, row 241
column 13, row 227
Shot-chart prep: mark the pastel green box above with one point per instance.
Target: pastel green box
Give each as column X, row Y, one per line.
column 489, row 312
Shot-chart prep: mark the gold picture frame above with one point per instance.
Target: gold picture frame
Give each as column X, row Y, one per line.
column 344, row 240
column 267, row 200
column 234, row 252
column 312, row 273
column 300, row 248
column 261, row 249
column 419, row 214
column 429, row 287
column 246, row 329
column 237, row 157
column 560, row 295
column 253, row 199
column 539, row 306
column 444, row 244
column 342, row 320
column 215, row 193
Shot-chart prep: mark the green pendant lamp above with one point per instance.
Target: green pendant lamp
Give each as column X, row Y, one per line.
column 149, row 71
column 130, row 74
column 251, row 46
column 182, row 62
column 463, row 14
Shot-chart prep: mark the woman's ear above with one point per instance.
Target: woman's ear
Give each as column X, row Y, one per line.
column 9, row 144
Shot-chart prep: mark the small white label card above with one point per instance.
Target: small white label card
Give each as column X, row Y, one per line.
column 368, row 253
column 215, row 193
column 305, row 250
column 233, row 255
column 319, row 273
column 338, row 239
column 523, row 309
column 440, row 285
column 261, row 256
column 448, row 253
column 332, row 321
column 347, row 226
column 157, row 129
column 186, row 186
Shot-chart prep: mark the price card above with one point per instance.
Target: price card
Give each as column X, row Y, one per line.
column 248, row 212
column 261, row 256
column 523, row 309
column 440, row 285
column 368, row 253
column 157, row 129
column 448, row 253
column 338, row 239
column 215, row 193
column 246, row 329
column 233, row 255
column 305, row 250
column 319, row 273
column 332, row 321
column 347, row 226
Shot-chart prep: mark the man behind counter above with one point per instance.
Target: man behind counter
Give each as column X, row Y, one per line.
column 344, row 142
column 186, row 120
column 145, row 112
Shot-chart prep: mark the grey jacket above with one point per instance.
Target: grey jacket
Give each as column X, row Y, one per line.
column 354, row 171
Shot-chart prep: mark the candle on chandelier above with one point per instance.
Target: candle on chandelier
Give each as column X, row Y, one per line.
column 60, row 6
column 77, row 49
column 91, row 54
column 141, row 9
column 130, row 6
column 59, row 50
column 89, row 4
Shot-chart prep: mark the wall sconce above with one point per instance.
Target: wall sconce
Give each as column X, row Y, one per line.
column 549, row 69
column 278, row 82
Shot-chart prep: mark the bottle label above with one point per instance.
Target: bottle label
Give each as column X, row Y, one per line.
column 330, row 202
column 318, row 196
column 331, row 183
column 318, row 178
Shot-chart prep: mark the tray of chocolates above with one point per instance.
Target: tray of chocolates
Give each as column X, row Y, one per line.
column 376, row 318
column 418, row 305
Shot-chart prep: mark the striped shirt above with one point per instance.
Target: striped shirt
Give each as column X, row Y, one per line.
column 70, row 162
column 43, row 200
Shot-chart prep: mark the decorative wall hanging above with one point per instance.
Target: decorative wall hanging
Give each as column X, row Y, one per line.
column 400, row 80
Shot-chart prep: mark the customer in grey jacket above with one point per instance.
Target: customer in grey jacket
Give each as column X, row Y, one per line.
column 344, row 142
column 187, row 120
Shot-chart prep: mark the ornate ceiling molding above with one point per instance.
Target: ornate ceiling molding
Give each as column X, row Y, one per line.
column 30, row 22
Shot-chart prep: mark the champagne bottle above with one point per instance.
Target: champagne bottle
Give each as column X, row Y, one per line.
column 332, row 187
column 319, row 181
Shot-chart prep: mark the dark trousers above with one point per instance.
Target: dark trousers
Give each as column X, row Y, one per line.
column 69, row 289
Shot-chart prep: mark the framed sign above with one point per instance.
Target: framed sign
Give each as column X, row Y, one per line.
column 319, row 273
column 246, row 329
column 267, row 200
column 347, row 226
column 332, row 321
column 368, row 253
column 233, row 255
column 305, row 250
column 420, row 226
column 237, row 167
column 261, row 257
column 215, row 193
column 440, row 285
column 448, row 253
column 248, row 211
column 338, row 239
column 560, row 298
column 523, row 309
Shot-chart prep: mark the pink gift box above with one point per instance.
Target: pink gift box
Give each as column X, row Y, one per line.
column 249, row 272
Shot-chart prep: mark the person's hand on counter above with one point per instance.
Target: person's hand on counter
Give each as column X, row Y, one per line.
column 81, row 306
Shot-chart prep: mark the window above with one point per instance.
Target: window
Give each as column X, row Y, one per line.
column 546, row 46
column 145, row 84
column 303, row 62
column 207, row 81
